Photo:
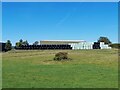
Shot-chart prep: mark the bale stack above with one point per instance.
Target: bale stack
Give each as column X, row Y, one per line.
column 104, row 46
column 82, row 45
column 43, row 47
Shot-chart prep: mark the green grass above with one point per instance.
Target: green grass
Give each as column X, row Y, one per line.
column 37, row 69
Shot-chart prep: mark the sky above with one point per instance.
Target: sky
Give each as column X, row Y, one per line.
column 35, row 21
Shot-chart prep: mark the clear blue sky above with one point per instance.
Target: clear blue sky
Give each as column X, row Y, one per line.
column 59, row 21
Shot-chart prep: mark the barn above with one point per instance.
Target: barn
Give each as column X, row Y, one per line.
column 42, row 42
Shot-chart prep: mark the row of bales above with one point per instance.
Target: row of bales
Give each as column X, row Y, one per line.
column 43, row 47
column 96, row 45
column 74, row 46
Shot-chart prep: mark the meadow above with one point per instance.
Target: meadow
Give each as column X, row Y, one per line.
column 37, row 69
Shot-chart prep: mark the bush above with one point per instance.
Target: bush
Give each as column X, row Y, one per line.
column 115, row 45
column 105, row 40
column 61, row 56
column 8, row 45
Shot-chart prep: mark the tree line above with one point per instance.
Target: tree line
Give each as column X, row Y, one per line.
column 8, row 44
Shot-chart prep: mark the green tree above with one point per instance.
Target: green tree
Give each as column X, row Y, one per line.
column 25, row 43
column 105, row 40
column 36, row 43
column 20, row 42
column 17, row 44
column 8, row 45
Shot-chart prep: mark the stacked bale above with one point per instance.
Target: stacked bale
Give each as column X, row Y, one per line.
column 104, row 46
column 96, row 45
column 82, row 45
column 43, row 47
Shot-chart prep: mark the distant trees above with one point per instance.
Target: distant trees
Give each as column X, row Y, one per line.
column 8, row 45
column 36, row 43
column 105, row 40
column 21, row 42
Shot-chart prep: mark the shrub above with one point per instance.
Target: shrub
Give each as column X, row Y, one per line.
column 61, row 56
column 115, row 45
column 8, row 45
column 105, row 40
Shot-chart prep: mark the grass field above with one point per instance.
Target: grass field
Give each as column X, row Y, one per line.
column 37, row 69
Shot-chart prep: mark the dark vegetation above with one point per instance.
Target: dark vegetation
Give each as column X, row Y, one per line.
column 8, row 45
column 105, row 40
column 115, row 45
column 2, row 47
column 36, row 43
column 61, row 56
column 21, row 42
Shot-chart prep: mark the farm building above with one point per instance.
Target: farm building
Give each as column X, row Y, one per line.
column 60, row 41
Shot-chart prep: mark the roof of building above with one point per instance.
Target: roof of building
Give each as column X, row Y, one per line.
column 66, row 40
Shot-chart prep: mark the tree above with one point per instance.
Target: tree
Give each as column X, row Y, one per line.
column 17, row 44
column 105, row 40
column 20, row 42
column 8, row 45
column 25, row 43
column 36, row 43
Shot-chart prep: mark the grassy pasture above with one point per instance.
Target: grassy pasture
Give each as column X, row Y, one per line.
column 37, row 69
